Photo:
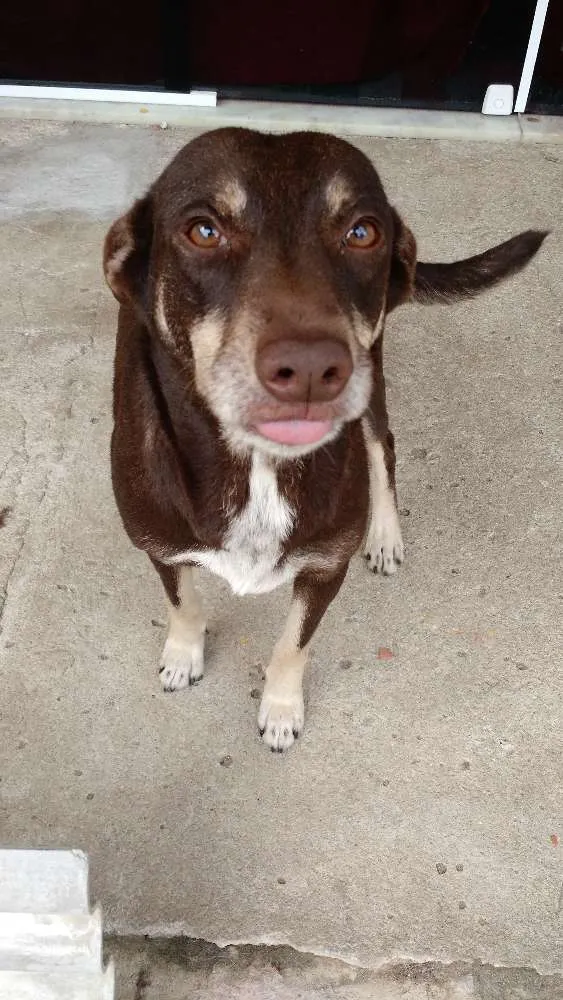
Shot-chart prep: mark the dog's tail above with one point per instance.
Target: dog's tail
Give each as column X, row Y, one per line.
column 465, row 278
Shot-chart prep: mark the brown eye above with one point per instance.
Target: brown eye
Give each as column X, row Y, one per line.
column 205, row 235
column 362, row 236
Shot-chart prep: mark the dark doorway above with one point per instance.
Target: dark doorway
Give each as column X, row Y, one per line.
column 406, row 53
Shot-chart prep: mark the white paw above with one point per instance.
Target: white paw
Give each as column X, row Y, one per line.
column 181, row 663
column 281, row 720
column 384, row 549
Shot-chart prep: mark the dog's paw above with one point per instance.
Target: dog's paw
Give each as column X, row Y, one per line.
column 181, row 664
column 384, row 549
column 281, row 720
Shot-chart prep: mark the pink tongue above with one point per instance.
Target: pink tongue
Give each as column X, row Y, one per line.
column 295, row 431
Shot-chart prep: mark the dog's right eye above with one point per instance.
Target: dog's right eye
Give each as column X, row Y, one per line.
column 205, row 235
column 364, row 235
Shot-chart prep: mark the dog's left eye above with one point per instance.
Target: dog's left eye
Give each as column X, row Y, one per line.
column 205, row 235
column 363, row 235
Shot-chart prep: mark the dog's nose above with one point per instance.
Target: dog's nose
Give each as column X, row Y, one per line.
column 304, row 371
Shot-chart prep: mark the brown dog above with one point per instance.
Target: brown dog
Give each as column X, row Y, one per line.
column 251, row 433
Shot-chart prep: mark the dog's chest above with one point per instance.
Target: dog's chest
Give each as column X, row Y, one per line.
column 249, row 558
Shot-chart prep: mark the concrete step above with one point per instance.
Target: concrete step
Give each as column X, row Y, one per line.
column 44, row 882
column 50, row 941
column 56, row 986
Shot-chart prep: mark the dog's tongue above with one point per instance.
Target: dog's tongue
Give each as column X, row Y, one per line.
column 295, row 431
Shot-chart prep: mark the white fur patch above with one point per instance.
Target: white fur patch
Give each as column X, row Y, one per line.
column 337, row 194
column 281, row 718
column 117, row 260
column 384, row 548
column 114, row 263
column 366, row 334
column 206, row 337
column 160, row 316
column 252, row 545
column 232, row 197
column 378, row 328
column 181, row 664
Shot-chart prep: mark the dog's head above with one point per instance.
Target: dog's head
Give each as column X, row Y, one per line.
column 266, row 264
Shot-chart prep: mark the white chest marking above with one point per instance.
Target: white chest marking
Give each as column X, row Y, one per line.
column 252, row 545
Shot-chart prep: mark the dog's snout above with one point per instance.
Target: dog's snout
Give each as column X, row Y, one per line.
column 304, row 371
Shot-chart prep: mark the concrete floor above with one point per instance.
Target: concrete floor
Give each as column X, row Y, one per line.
column 418, row 819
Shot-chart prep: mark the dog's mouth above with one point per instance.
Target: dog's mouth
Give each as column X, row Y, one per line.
column 290, row 429
column 295, row 432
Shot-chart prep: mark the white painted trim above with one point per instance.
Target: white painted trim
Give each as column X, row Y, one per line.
column 531, row 56
column 194, row 98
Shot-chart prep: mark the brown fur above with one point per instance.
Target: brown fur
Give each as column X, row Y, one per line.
column 186, row 394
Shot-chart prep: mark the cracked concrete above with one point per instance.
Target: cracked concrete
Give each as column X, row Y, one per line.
column 176, row 969
column 418, row 820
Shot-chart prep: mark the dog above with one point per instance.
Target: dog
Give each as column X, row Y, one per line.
column 251, row 435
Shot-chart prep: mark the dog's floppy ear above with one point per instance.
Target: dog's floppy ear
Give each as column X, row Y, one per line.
column 127, row 253
column 403, row 264
column 465, row 278
column 415, row 280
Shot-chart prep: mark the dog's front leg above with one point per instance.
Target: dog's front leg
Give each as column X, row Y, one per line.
column 282, row 712
column 384, row 548
column 181, row 662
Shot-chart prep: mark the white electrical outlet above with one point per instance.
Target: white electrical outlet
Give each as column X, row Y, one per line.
column 499, row 99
